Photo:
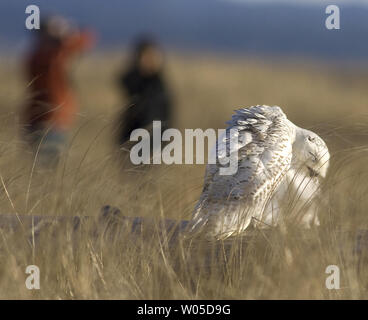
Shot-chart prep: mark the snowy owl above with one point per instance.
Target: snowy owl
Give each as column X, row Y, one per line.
column 278, row 163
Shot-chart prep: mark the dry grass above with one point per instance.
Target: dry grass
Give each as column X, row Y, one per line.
column 282, row 264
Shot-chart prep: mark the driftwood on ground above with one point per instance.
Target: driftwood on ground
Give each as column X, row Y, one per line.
column 111, row 225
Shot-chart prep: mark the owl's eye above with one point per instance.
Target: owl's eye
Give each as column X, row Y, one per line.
column 310, row 139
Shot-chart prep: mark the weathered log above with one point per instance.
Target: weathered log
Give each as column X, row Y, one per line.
column 111, row 225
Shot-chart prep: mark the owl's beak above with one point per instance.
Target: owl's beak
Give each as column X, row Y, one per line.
column 312, row 173
column 320, row 166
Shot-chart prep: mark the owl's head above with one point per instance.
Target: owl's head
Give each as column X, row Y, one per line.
column 311, row 151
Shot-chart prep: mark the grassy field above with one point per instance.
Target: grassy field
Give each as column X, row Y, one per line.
column 286, row 263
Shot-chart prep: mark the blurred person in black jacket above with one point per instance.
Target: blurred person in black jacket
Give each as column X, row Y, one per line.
column 146, row 90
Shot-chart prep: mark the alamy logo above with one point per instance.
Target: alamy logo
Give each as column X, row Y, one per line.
column 33, row 20
column 225, row 154
column 333, row 280
column 33, row 280
column 333, row 20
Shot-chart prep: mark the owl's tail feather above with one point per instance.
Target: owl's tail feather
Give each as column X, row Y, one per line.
column 220, row 223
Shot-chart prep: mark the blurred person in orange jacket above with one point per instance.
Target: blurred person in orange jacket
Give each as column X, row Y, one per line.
column 49, row 112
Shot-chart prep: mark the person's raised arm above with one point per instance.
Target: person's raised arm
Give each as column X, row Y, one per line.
column 78, row 41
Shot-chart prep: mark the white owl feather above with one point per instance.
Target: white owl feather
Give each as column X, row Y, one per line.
column 275, row 158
